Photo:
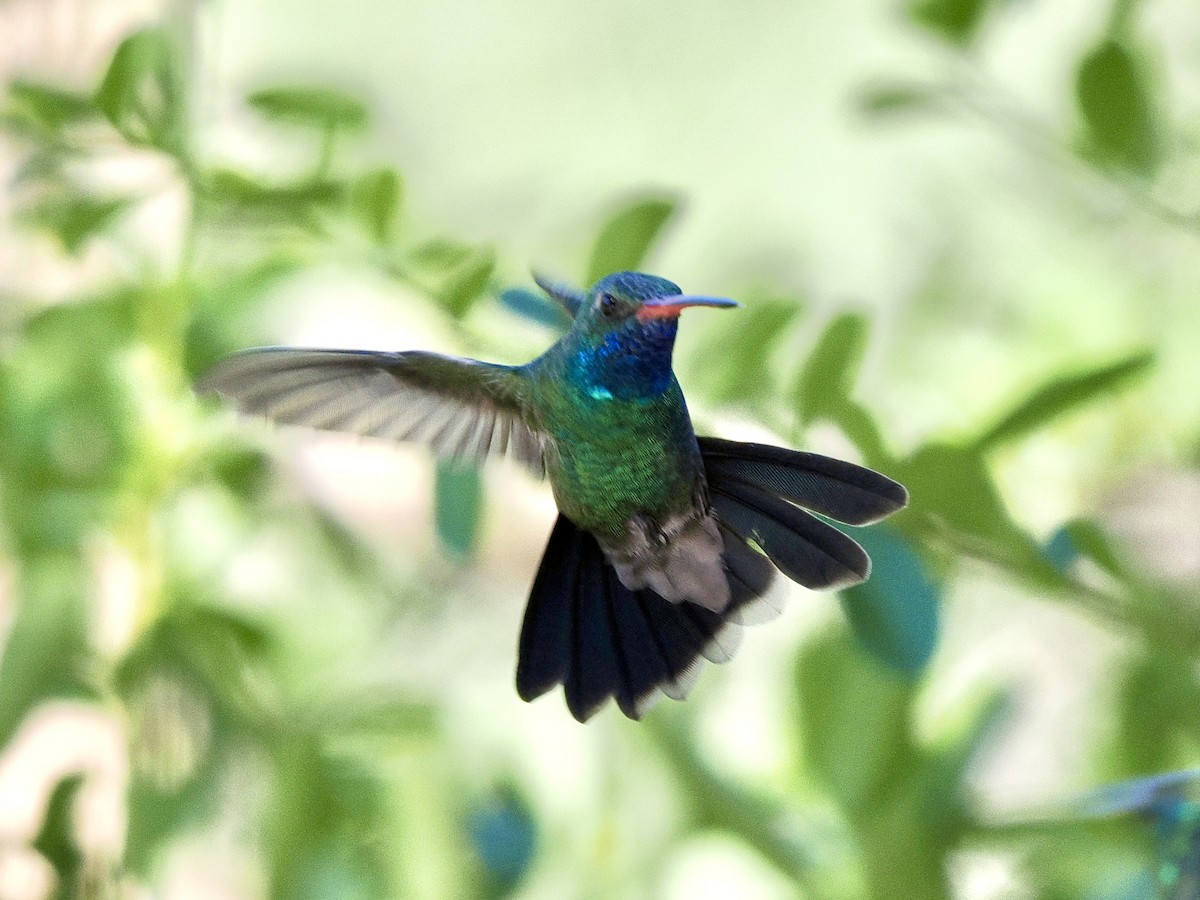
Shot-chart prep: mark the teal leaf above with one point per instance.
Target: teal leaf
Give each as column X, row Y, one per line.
column 1115, row 97
column 895, row 613
column 827, row 380
column 142, row 91
column 954, row 21
column 467, row 283
column 458, row 506
column 1083, row 538
column 1061, row 395
column 535, row 307
column 375, row 199
column 503, row 834
column 319, row 108
column 627, row 237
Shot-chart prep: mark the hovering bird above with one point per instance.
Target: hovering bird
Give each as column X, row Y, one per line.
column 1171, row 801
column 665, row 543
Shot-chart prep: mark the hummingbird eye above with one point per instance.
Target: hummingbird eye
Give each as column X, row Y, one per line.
column 608, row 304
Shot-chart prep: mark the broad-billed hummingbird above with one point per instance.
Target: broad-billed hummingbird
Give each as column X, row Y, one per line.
column 665, row 543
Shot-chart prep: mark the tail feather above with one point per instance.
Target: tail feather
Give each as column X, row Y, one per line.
column 585, row 630
column 832, row 487
column 803, row 547
column 601, row 640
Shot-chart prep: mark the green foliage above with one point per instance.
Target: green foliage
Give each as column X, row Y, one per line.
column 895, row 613
column 319, row 108
column 1063, row 394
column 1121, row 126
column 458, row 500
column 956, row 21
column 627, row 237
column 365, row 789
column 142, row 93
column 827, row 378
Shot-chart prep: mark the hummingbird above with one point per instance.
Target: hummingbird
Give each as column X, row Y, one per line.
column 665, row 544
column 1170, row 802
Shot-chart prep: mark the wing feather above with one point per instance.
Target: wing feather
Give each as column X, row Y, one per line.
column 462, row 408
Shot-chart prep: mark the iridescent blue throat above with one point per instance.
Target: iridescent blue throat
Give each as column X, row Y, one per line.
column 630, row 363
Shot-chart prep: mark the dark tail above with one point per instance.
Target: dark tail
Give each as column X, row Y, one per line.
column 585, row 630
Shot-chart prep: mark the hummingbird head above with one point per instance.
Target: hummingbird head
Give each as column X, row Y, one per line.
column 626, row 327
column 631, row 301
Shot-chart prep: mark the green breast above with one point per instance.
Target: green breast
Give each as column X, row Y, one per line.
column 618, row 457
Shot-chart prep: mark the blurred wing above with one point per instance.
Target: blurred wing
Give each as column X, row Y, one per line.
column 462, row 408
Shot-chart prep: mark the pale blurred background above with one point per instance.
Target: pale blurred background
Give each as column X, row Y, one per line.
column 283, row 663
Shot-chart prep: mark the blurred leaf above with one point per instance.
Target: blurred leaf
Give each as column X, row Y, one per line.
column 952, row 487
column 1115, row 97
column 1081, row 537
column 628, row 236
column 440, row 254
column 898, row 99
column 955, row 21
column 142, row 94
column 736, row 364
column 828, row 377
column 75, row 219
column 458, row 496
column 375, row 199
column 324, row 829
column 320, row 108
column 49, row 109
column 1159, row 695
column 1062, row 394
column 46, row 655
column 854, row 721
column 895, row 613
column 467, row 283
column 503, row 834
column 763, row 821
column 297, row 203
column 536, row 307
column 56, row 840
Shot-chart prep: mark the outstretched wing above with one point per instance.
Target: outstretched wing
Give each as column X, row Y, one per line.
column 462, row 408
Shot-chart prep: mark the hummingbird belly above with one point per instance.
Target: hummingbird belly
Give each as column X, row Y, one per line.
column 631, row 474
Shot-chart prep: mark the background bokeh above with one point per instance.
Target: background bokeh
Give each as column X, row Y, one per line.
column 239, row 663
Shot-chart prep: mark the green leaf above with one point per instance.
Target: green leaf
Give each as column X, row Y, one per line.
column 48, row 108
column 242, row 196
column 467, row 283
column 440, row 254
column 75, row 219
column 827, row 380
column 897, row 99
column 1061, row 395
column 895, row 613
column 628, row 236
column 142, row 92
column 56, row 839
column 1115, row 97
column 736, row 364
column 458, row 505
column 1081, row 537
column 1158, row 712
column 854, row 720
column 954, row 21
column 375, row 199
column 46, row 654
column 319, row 108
